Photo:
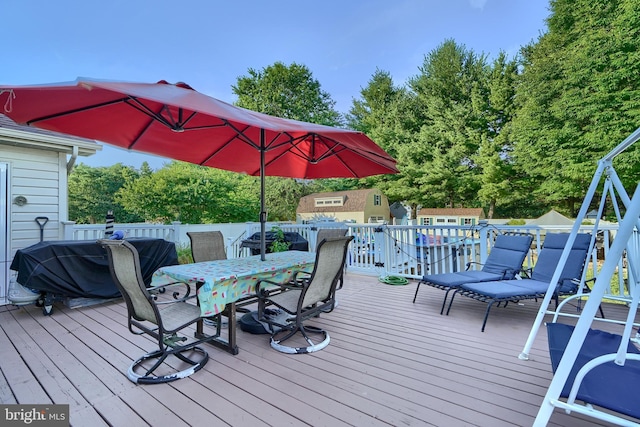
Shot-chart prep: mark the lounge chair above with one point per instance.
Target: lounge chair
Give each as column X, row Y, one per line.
column 537, row 285
column 503, row 263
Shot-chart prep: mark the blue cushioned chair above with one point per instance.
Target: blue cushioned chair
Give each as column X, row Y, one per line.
column 536, row 286
column 604, row 384
column 503, row 263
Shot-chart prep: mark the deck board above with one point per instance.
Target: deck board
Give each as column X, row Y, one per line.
column 390, row 362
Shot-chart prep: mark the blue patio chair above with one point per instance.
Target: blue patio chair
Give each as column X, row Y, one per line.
column 536, row 286
column 503, row 263
column 595, row 378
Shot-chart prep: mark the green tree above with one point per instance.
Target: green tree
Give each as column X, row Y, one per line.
column 192, row 194
column 578, row 98
column 451, row 95
column 494, row 156
column 289, row 92
column 385, row 112
column 282, row 196
column 92, row 193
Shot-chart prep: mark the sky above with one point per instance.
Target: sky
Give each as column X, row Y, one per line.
column 210, row 43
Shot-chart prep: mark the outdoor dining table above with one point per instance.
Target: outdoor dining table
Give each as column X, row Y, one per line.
column 222, row 283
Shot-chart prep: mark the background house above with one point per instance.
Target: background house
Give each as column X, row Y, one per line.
column 450, row 216
column 34, row 164
column 360, row 206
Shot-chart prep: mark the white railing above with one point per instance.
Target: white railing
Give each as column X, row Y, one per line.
column 400, row 250
column 73, row 231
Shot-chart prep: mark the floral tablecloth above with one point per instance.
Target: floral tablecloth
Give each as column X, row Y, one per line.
column 228, row 280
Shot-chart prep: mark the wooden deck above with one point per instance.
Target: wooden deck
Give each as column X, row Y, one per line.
column 390, row 362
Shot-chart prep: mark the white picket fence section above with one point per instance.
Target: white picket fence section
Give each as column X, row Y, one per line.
column 409, row 251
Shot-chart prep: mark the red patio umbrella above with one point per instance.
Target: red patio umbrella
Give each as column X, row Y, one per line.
column 178, row 122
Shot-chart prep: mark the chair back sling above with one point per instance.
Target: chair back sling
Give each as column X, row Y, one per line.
column 327, row 270
column 207, row 245
column 127, row 277
column 325, row 233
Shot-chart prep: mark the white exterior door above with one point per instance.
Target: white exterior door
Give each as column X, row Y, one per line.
column 5, row 253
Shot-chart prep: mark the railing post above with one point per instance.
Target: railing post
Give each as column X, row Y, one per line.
column 380, row 245
column 67, row 230
column 176, row 232
column 313, row 237
column 484, row 238
column 249, row 230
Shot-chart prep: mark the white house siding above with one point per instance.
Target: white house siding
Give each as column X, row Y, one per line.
column 39, row 176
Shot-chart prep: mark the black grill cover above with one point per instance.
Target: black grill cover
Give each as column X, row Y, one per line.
column 80, row 268
column 295, row 240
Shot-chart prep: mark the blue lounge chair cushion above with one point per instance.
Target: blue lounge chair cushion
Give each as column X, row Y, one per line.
column 608, row 385
column 453, row 280
column 507, row 255
column 504, row 289
column 504, row 262
column 554, row 244
column 542, row 273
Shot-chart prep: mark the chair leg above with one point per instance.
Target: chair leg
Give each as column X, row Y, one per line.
column 486, row 315
column 277, row 339
column 601, row 312
column 451, row 300
column 149, row 378
column 444, row 301
column 416, row 294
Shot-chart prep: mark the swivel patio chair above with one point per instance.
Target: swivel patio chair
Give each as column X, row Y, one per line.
column 145, row 316
column 503, row 263
column 316, row 295
column 207, row 245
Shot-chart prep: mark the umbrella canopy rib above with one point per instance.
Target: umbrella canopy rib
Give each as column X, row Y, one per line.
column 34, row 122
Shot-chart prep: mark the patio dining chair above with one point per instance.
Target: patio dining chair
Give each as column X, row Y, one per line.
column 207, row 245
column 161, row 320
column 305, row 299
column 503, row 263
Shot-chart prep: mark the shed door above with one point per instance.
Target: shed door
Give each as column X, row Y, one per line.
column 5, row 253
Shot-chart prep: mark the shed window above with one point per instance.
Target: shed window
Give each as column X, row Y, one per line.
column 377, row 200
column 329, row 201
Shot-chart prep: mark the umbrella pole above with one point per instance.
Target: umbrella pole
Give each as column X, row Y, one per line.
column 263, row 213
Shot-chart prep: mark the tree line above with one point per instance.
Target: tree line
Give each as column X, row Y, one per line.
column 516, row 136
